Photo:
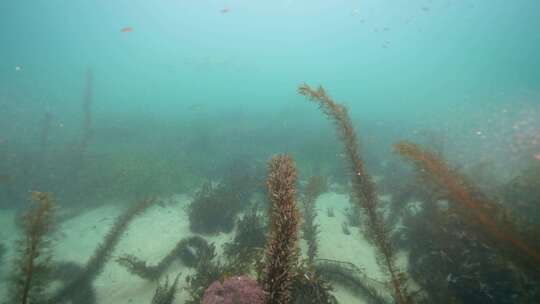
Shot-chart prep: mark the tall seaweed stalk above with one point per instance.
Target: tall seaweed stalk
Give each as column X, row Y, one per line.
column 43, row 144
column 493, row 218
column 310, row 229
column 101, row 255
column 282, row 248
column 32, row 266
column 363, row 188
column 86, row 131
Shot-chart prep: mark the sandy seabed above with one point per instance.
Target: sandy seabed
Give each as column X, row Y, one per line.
column 153, row 234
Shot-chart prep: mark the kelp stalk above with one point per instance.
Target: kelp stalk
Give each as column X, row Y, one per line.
column 363, row 187
column 310, row 229
column 102, row 254
column 282, row 248
column 492, row 216
column 29, row 279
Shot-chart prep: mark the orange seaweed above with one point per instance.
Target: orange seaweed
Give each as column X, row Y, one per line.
column 494, row 217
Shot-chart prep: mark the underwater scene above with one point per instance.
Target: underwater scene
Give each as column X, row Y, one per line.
column 269, row 152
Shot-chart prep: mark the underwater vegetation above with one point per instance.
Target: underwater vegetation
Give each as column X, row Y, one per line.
column 463, row 245
column 310, row 229
column 34, row 267
column 250, row 234
column 354, row 279
column 309, row 286
column 282, row 250
column 30, row 277
column 523, row 192
column 189, row 250
column 209, row 212
column 165, row 293
column 495, row 222
column 215, row 207
column 363, row 188
column 102, row 254
column 207, row 271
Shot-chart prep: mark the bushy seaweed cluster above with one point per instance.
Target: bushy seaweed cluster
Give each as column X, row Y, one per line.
column 309, row 287
column 353, row 279
column 489, row 220
column 166, row 293
column 451, row 262
column 465, row 246
column 207, row 270
column 215, row 207
column 250, row 234
column 523, row 193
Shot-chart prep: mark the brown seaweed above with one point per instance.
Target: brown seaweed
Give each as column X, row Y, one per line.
column 490, row 219
column 363, row 188
column 282, row 248
column 310, row 229
column 101, row 255
column 189, row 250
column 30, row 277
column 165, row 293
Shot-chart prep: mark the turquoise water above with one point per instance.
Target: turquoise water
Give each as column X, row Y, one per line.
column 103, row 103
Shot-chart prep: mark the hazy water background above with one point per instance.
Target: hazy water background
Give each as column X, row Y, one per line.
column 193, row 86
column 104, row 102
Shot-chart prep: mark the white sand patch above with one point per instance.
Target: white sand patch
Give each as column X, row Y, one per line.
column 336, row 245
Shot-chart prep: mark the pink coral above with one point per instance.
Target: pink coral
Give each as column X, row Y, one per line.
column 234, row 290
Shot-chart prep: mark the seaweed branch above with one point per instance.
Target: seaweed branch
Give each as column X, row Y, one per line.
column 29, row 279
column 166, row 293
column 282, row 248
column 102, row 254
column 310, row 229
column 363, row 187
column 183, row 250
column 494, row 218
column 354, row 279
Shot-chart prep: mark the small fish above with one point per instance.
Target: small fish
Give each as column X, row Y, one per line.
column 537, row 156
column 225, row 10
column 4, row 178
column 127, row 29
column 17, row 68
